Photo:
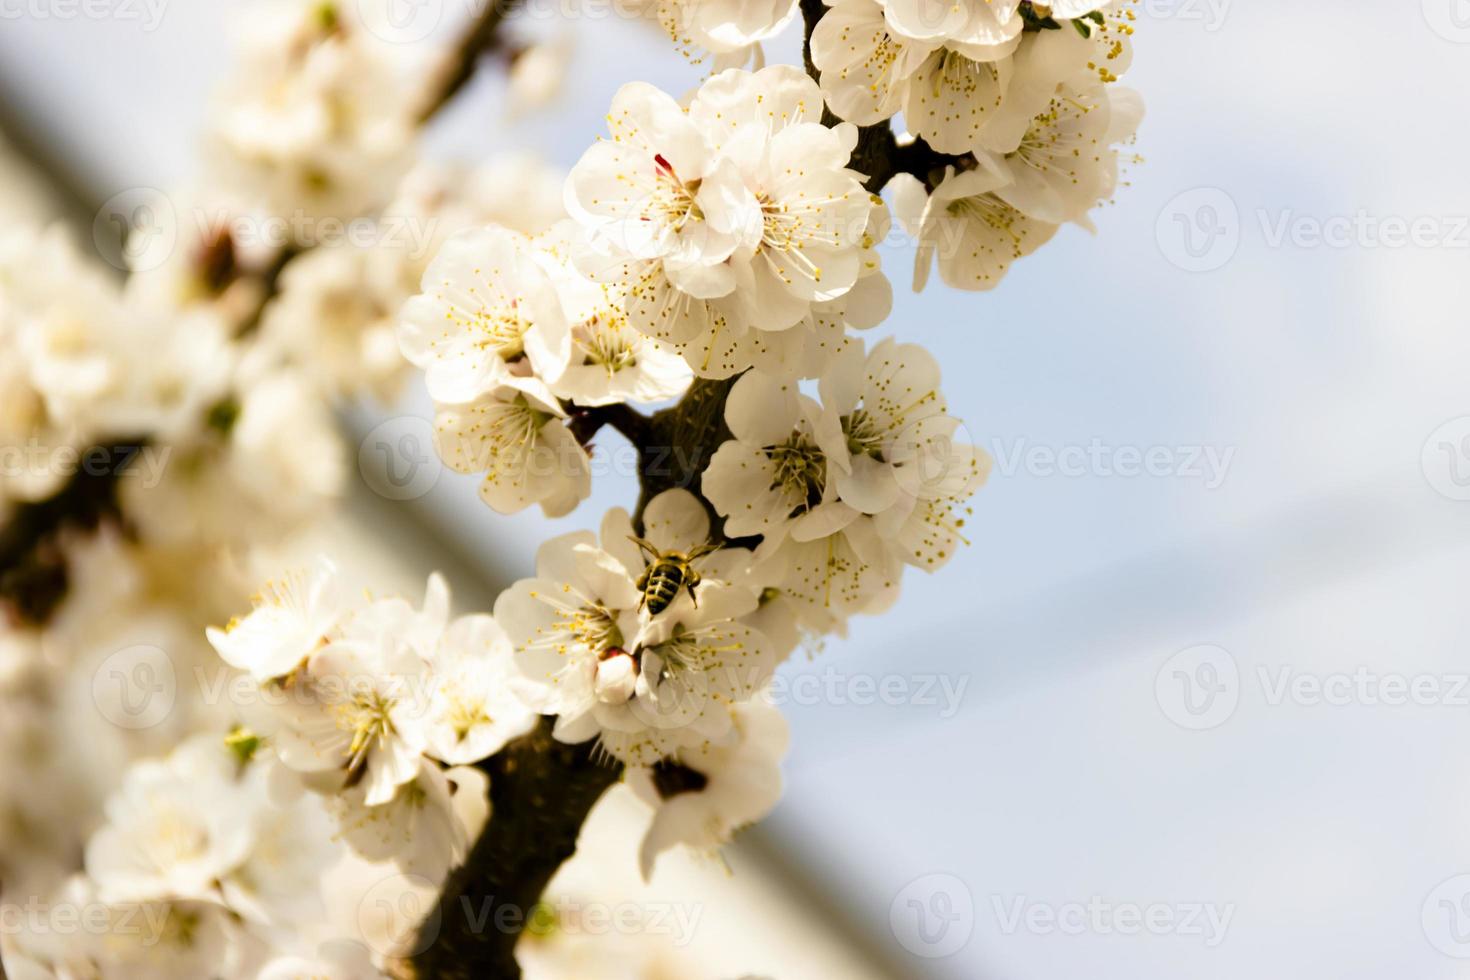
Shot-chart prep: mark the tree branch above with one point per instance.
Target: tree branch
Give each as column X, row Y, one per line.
column 541, row 791
column 482, row 38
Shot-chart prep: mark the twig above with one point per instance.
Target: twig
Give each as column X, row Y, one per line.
column 482, row 38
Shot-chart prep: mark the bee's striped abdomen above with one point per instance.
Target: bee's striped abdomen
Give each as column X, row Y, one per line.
column 665, row 579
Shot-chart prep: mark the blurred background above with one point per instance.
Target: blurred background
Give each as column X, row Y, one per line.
column 1194, row 703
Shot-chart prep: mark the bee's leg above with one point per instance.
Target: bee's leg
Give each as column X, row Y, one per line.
column 693, row 598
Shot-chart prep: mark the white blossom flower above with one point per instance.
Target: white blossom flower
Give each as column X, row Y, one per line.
column 335, row 319
column 359, row 713
column 579, row 611
column 731, row 30
column 704, row 795
column 1045, row 63
column 592, row 653
column 659, row 191
column 420, row 828
column 771, row 479
column 892, row 438
column 335, row 960
column 1067, row 163
column 488, row 318
column 175, row 828
column 278, row 885
column 805, row 241
column 608, row 360
column 986, row 23
column 865, row 64
column 292, row 619
column 972, row 233
column 893, row 453
column 953, row 95
column 538, row 74
column 473, row 712
column 523, row 447
column 318, row 117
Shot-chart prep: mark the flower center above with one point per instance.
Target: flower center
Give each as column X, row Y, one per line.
column 606, row 341
column 799, row 472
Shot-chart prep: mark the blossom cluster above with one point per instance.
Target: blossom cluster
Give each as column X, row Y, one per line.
column 722, row 248
column 1027, row 90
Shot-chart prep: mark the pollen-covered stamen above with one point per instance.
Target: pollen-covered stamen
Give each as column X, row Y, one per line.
column 1057, row 142
column 673, row 201
column 606, row 341
column 943, row 523
column 367, row 720
column 465, row 716
column 581, row 624
column 798, row 472
column 788, row 227
column 864, row 438
column 496, row 322
column 993, row 212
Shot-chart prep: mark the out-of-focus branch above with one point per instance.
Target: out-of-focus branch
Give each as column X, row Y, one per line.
column 458, row 67
column 879, row 154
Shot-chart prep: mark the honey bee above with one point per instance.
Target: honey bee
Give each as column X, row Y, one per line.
column 667, row 573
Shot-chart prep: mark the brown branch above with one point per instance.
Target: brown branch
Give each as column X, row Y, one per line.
column 541, row 790
column 482, row 38
column 540, row 794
